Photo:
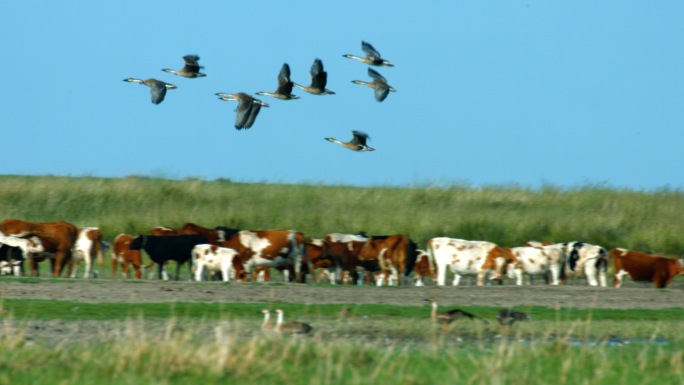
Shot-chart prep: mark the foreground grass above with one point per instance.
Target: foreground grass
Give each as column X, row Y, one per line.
column 372, row 350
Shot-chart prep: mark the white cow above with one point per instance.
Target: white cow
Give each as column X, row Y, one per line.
column 535, row 261
column 87, row 247
column 592, row 260
column 342, row 237
column 467, row 258
column 28, row 247
column 213, row 258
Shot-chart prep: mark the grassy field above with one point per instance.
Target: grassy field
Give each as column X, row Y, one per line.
column 222, row 343
column 646, row 221
column 219, row 343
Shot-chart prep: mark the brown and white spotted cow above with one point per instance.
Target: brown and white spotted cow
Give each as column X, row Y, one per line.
column 424, row 268
column 468, row 258
column 57, row 238
column 344, row 256
column 272, row 248
column 87, row 248
column 542, row 261
column 213, row 259
column 645, row 268
column 124, row 256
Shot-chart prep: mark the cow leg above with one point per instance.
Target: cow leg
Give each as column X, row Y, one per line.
column 457, row 279
column 441, row 274
column 199, row 270
column 59, row 263
column 591, row 273
column 88, row 267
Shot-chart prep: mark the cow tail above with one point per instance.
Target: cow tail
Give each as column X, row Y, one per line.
column 602, row 261
column 411, row 255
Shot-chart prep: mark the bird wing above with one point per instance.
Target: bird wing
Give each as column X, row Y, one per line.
column 243, row 113
column 158, row 91
column 191, row 64
column 319, row 78
column 359, row 138
column 284, row 83
column 381, row 91
column 253, row 112
column 371, row 53
column 376, row 76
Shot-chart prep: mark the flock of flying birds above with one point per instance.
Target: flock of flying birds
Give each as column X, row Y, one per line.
column 249, row 107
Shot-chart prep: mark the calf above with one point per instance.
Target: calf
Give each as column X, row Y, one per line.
column 535, row 261
column 465, row 258
column 645, row 268
column 124, row 256
column 213, row 258
column 167, row 248
column 424, row 267
column 87, row 247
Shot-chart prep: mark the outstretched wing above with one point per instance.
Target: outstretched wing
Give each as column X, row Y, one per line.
column 191, row 64
column 284, row 82
column 371, row 53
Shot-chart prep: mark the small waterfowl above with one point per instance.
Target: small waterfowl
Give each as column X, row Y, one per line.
column 267, row 324
column 285, row 85
column 449, row 316
column 358, row 142
column 372, row 56
column 507, row 317
column 191, row 68
column 246, row 111
column 319, row 79
column 379, row 83
column 158, row 88
column 292, row 327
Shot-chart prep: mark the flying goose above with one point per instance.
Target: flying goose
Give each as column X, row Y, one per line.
column 158, row 88
column 284, row 90
column 372, row 56
column 191, row 68
column 379, row 83
column 319, row 79
column 246, row 111
column 358, row 142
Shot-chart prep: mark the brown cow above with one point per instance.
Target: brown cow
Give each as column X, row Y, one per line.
column 344, row 256
column 424, row 268
column 211, row 235
column 57, row 238
column 164, row 231
column 272, row 248
column 122, row 255
column 645, row 268
column 395, row 256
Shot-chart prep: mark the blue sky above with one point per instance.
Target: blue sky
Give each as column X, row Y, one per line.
column 528, row 93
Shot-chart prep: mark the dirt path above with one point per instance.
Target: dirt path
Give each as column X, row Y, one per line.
column 102, row 290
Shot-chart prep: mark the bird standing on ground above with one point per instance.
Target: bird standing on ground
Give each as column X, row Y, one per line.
column 319, row 79
column 379, row 83
column 507, row 317
column 267, row 323
column 449, row 316
column 158, row 88
column 285, row 85
column 191, row 68
column 246, row 111
column 372, row 56
column 358, row 142
column 292, row 327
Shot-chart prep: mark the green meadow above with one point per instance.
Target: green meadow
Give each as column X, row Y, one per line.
column 650, row 221
column 220, row 343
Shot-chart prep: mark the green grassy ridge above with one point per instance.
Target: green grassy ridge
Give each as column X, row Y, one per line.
column 21, row 309
column 506, row 215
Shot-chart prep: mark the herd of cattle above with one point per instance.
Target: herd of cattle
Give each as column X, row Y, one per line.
column 244, row 255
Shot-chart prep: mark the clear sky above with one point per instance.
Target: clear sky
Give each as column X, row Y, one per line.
column 530, row 93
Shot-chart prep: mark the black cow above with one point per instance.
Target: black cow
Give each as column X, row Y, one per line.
column 164, row 248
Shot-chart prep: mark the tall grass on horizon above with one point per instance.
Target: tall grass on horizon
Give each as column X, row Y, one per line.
column 646, row 221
